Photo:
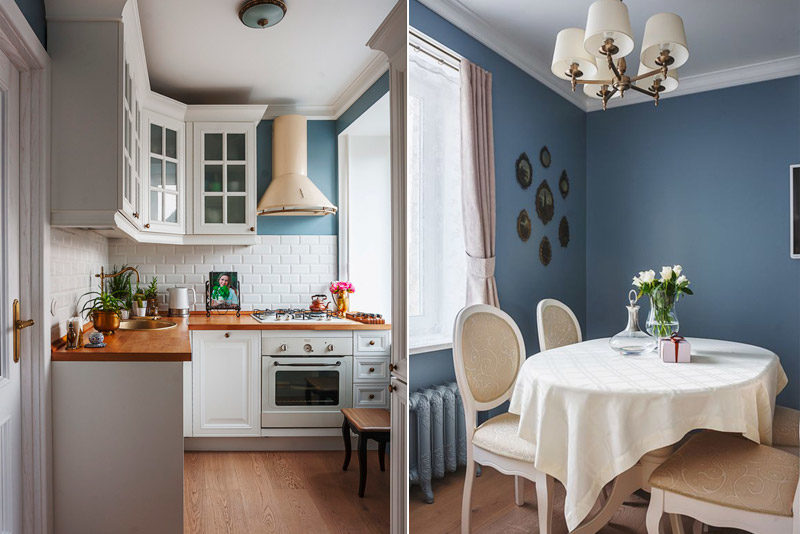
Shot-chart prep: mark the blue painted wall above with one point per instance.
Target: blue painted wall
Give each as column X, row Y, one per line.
column 527, row 115
column 322, row 165
column 34, row 14
column 701, row 181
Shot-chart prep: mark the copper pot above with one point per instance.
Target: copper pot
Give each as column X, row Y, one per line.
column 318, row 303
column 105, row 321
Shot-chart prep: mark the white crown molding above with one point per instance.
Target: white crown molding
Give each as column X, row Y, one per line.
column 466, row 20
column 757, row 72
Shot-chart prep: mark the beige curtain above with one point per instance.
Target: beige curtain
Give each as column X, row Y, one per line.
column 477, row 187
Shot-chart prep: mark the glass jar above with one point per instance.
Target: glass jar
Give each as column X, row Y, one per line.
column 662, row 321
column 632, row 340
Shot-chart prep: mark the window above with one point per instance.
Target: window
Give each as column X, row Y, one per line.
column 436, row 258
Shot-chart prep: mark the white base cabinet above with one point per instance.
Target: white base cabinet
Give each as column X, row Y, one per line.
column 226, row 383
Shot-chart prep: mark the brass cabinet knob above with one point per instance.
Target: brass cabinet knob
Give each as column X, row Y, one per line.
column 136, row 214
column 252, row 228
column 392, row 367
column 391, row 388
column 227, row 334
column 371, row 369
column 147, row 225
column 371, row 396
column 371, row 342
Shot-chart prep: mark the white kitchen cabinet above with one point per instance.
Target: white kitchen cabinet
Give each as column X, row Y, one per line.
column 226, row 383
column 224, row 177
column 165, row 189
column 187, row 399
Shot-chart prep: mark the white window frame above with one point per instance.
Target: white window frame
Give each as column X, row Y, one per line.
column 421, row 43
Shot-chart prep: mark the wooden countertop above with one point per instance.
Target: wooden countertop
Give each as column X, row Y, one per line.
column 170, row 345
column 245, row 322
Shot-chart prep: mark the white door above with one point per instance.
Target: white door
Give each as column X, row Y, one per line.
column 10, row 417
column 398, row 464
column 226, row 383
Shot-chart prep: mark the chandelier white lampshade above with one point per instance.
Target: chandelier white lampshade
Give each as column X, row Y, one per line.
column 664, row 31
column 603, row 73
column 608, row 19
column 569, row 50
column 669, row 84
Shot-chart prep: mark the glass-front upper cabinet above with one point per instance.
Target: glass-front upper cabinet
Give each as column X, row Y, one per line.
column 131, row 147
column 224, row 178
column 165, row 192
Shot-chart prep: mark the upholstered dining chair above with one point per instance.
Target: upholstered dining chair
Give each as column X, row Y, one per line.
column 557, row 325
column 786, row 430
column 488, row 352
column 726, row 480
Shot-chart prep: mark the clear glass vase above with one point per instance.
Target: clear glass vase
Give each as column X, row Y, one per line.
column 632, row 340
column 662, row 321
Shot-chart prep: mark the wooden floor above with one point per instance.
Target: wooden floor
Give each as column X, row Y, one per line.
column 288, row 492
column 494, row 511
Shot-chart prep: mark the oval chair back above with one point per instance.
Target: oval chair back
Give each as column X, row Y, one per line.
column 557, row 325
column 488, row 352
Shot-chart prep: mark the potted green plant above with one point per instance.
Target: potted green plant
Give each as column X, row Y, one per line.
column 139, row 302
column 120, row 287
column 151, row 294
column 104, row 308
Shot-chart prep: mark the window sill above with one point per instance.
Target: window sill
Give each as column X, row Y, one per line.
column 431, row 345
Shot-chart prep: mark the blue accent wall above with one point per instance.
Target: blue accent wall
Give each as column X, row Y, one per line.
column 527, row 115
column 363, row 103
column 34, row 14
column 322, row 169
column 701, row 181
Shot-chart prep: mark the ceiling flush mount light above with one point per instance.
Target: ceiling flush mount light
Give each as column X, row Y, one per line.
column 595, row 56
column 262, row 13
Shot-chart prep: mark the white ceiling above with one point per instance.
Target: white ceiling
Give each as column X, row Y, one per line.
column 199, row 52
column 722, row 34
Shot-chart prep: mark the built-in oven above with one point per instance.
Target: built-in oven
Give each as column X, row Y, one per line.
column 305, row 380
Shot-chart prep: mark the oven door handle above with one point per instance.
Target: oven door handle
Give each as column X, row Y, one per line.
column 277, row 364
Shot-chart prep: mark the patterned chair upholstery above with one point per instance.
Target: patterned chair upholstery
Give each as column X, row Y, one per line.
column 785, row 430
column 557, row 325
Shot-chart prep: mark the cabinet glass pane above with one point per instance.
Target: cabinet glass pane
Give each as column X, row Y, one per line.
column 155, row 206
column 172, row 143
column 236, row 178
column 236, row 213
column 155, row 172
column 212, row 178
column 213, row 210
column 171, row 175
column 213, row 147
column 235, row 147
column 170, row 208
column 155, row 139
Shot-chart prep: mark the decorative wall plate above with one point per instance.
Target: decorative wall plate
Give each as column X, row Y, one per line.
column 544, row 157
column 545, row 251
column 563, row 232
column 524, row 171
column 563, row 184
column 545, row 203
column 524, row 225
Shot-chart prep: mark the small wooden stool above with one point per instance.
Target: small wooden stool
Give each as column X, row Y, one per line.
column 367, row 423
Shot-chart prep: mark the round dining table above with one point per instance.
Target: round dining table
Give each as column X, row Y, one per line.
column 595, row 416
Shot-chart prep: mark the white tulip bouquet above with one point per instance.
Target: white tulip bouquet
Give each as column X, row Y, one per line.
column 664, row 294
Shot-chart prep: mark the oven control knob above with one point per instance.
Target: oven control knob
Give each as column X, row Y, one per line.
column 308, row 348
column 330, row 348
column 283, row 347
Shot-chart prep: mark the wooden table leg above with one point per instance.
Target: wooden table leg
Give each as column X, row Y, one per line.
column 347, row 446
column 362, row 464
column 382, row 453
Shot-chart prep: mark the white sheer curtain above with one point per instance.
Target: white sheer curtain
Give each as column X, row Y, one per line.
column 437, row 265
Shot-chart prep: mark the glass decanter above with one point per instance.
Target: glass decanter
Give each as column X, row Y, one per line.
column 632, row 340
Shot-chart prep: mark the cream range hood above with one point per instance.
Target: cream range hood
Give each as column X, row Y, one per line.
column 291, row 191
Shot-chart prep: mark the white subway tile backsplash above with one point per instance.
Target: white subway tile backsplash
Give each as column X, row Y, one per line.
column 277, row 271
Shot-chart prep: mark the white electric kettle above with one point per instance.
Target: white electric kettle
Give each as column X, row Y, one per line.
column 179, row 304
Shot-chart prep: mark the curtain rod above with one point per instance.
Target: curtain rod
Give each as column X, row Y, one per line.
column 436, row 50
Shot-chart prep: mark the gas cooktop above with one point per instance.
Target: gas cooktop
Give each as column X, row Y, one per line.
column 294, row 315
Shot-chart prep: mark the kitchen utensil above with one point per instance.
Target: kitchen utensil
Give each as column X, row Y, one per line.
column 318, row 303
column 179, row 304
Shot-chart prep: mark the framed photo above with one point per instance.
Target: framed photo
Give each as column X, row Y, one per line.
column 794, row 211
column 223, row 292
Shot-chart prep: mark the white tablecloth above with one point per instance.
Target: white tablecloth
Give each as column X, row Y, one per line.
column 592, row 413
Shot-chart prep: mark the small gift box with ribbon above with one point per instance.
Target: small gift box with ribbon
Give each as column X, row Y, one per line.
column 674, row 349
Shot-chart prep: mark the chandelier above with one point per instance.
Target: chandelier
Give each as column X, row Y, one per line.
column 595, row 57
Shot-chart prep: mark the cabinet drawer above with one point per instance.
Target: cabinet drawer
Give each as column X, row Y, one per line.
column 371, row 342
column 369, row 396
column 371, row 370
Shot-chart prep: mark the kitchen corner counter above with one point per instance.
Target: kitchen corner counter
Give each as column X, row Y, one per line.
column 245, row 322
column 170, row 345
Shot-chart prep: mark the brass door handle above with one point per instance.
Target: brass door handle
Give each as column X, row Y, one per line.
column 391, row 388
column 19, row 324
